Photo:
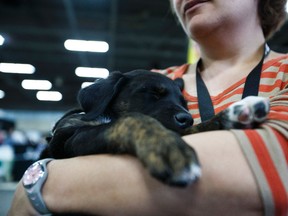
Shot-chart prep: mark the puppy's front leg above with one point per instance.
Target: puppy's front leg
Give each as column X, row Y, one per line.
column 247, row 113
column 162, row 151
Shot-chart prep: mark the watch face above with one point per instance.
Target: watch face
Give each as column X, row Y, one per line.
column 32, row 174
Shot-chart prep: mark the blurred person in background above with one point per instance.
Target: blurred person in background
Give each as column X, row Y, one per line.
column 6, row 149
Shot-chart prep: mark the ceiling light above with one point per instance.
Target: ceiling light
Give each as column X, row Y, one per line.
column 91, row 72
column 2, row 94
column 36, row 84
column 86, row 46
column 86, row 84
column 287, row 7
column 17, row 68
column 49, row 96
column 2, row 39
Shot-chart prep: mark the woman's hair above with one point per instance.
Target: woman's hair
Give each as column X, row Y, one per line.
column 272, row 15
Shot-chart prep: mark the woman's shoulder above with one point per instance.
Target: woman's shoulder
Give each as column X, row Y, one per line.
column 277, row 58
column 274, row 55
column 276, row 62
column 275, row 72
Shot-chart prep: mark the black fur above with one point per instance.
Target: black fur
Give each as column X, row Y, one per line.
column 139, row 113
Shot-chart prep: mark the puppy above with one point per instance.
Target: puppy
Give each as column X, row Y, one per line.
column 143, row 114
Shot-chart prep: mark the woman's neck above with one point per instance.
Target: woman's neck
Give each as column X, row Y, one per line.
column 232, row 50
column 227, row 59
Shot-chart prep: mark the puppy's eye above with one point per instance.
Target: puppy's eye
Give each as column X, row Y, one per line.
column 158, row 92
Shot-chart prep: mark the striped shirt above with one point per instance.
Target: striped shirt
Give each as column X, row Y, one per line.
column 266, row 147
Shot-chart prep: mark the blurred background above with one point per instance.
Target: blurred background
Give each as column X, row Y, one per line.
column 37, row 43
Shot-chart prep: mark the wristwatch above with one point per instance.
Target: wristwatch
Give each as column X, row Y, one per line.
column 33, row 180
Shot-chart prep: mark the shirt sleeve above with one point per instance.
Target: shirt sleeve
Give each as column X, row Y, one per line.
column 266, row 150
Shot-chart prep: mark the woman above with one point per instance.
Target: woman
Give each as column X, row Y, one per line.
column 244, row 172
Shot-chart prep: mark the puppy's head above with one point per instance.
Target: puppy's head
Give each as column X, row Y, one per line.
column 141, row 91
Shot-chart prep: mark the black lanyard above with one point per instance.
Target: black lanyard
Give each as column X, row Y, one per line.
column 251, row 87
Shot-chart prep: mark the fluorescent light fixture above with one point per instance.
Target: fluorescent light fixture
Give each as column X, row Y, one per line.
column 91, row 72
column 36, row 84
column 287, row 7
column 2, row 94
column 49, row 96
column 17, row 68
column 2, row 39
column 86, row 84
column 86, row 46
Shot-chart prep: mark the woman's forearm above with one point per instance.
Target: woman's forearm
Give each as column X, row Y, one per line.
column 108, row 185
column 119, row 185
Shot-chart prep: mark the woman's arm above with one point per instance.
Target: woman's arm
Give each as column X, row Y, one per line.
column 119, row 185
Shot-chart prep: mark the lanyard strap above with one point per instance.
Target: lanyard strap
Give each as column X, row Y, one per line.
column 251, row 87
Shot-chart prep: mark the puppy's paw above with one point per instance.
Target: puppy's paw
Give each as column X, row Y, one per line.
column 163, row 152
column 247, row 113
column 171, row 160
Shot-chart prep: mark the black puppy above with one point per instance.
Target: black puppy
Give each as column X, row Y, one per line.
column 139, row 113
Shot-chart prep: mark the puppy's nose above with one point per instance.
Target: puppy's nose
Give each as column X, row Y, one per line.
column 183, row 120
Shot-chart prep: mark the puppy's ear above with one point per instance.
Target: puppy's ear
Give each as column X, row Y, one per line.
column 180, row 83
column 95, row 98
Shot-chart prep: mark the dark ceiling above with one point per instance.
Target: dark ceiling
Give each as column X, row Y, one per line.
column 141, row 34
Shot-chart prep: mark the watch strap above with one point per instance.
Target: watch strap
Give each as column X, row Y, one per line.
column 34, row 192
